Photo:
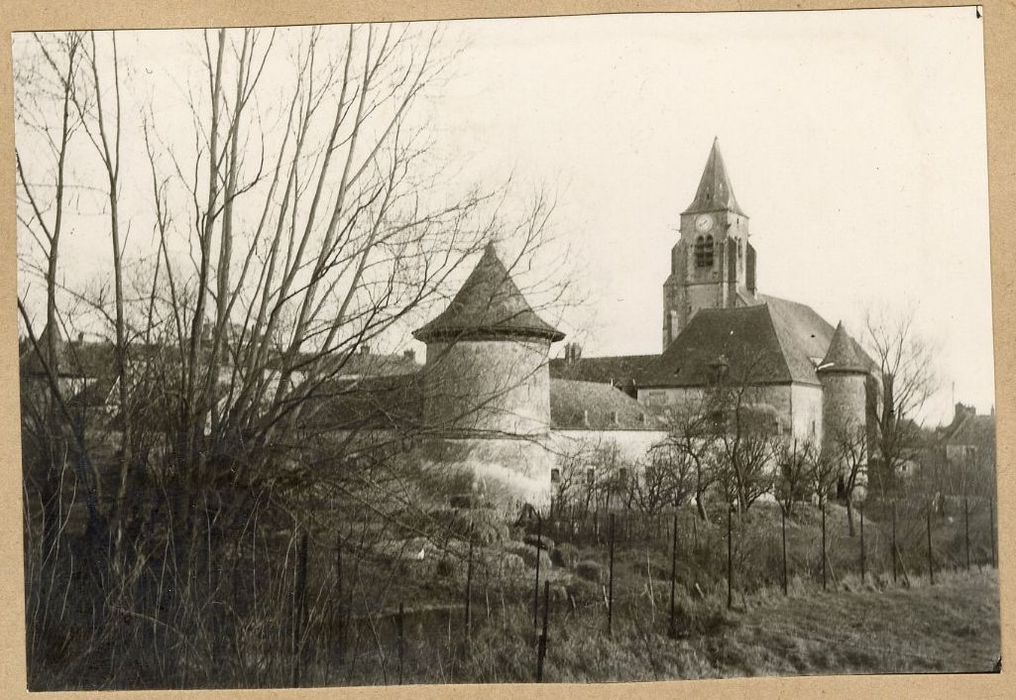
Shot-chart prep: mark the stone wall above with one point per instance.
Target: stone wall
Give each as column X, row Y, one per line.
column 493, row 387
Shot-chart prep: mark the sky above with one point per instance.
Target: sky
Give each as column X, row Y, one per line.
column 855, row 142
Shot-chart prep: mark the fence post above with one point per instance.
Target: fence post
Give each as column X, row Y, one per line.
column 931, row 566
column 402, row 637
column 672, row 630
column 536, row 585
column 966, row 529
column 783, row 529
column 824, row 583
column 541, row 652
column 469, row 586
column 892, row 554
column 861, row 509
column 338, row 595
column 730, row 560
column 610, row 582
column 299, row 606
column 991, row 519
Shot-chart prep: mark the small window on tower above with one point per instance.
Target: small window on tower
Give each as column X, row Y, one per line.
column 555, row 476
column 704, row 251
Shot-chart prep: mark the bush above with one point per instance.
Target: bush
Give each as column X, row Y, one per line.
column 528, row 554
column 591, row 571
column 543, row 541
column 564, row 555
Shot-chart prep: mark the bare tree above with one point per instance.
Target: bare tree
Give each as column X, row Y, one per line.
column 852, row 449
column 691, row 436
column 794, row 464
column 906, row 370
column 748, row 427
column 283, row 244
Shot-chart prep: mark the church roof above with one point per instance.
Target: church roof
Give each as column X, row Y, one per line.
column 841, row 356
column 744, row 339
column 714, row 191
column 775, row 342
column 489, row 305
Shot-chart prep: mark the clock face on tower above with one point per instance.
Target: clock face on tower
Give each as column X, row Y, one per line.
column 703, row 223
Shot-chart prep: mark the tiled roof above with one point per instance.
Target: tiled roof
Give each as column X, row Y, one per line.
column 489, row 304
column 745, row 338
column 623, row 371
column 714, row 191
column 394, row 401
column 595, row 406
column 775, row 342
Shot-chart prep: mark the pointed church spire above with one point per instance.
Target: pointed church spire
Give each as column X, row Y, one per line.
column 842, row 354
column 714, row 191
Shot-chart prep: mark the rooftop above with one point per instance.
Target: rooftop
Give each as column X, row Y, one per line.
column 489, row 305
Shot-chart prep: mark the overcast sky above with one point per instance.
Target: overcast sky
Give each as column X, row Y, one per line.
column 854, row 140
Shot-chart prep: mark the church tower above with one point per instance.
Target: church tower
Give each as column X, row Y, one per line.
column 712, row 266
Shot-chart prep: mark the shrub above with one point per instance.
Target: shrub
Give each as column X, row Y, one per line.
column 591, row 571
column 564, row 555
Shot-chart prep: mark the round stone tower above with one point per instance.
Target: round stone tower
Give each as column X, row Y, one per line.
column 844, row 405
column 487, row 387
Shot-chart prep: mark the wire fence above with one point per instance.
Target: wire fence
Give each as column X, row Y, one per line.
column 594, row 571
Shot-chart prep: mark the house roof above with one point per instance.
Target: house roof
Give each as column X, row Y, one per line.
column 714, row 191
column 776, row 341
column 393, row 401
column 489, row 304
column 595, row 406
column 972, row 430
column 624, row 371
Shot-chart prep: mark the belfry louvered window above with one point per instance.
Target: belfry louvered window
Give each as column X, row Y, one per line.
column 704, row 251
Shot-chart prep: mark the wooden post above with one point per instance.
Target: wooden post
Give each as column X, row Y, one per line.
column 893, row 552
column 966, row 529
column 824, row 582
column 783, row 528
column 536, row 586
column 991, row 518
column 400, row 622
column 469, row 585
column 672, row 630
column 541, row 652
column 299, row 606
column 730, row 560
column 861, row 509
column 610, row 582
column 931, row 566
column 338, row 595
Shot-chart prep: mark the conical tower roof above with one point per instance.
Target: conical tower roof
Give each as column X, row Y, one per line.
column 714, row 191
column 488, row 306
column 842, row 354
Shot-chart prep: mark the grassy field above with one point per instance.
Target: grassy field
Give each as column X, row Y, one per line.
column 878, row 626
column 949, row 627
column 952, row 627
